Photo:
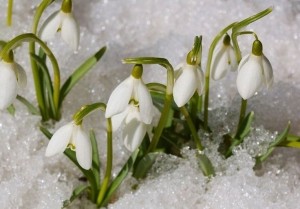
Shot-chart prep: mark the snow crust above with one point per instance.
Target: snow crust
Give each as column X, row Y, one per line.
column 164, row 29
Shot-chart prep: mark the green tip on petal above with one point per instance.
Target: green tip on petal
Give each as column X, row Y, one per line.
column 66, row 6
column 137, row 71
column 226, row 40
column 257, row 48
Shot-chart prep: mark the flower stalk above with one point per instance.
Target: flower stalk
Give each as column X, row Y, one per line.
column 207, row 71
column 9, row 12
column 168, row 97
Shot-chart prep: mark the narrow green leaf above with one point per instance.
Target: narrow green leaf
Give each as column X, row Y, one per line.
column 11, row 109
column 291, row 137
column 281, row 137
column 144, row 165
column 75, row 194
column 205, row 165
column 279, row 141
column 80, row 72
column 260, row 159
column 47, row 87
column 245, row 126
column 120, row 177
column 293, row 144
column 31, row 108
column 96, row 160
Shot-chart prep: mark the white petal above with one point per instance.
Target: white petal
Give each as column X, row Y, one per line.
column 249, row 78
column 70, row 30
column 118, row 119
column 243, row 61
column 145, row 103
column 21, row 76
column 268, row 71
column 133, row 134
column 83, row 149
column 8, row 84
column 50, row 26
column 200, row 81
column 219, row 64
column 60, row 140
column 232, row 58
column 119, row 98
column 185, row 86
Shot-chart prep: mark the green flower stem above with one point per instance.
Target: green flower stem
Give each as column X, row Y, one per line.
column 193, row 130
column 86, row 110
column 207, row 72
column 109, row 160
column 29, row 37
column 194, row 105
column 169, row 93
column 34, row 67
column 240, row 25
column 9, row 12
column 78, row 117
column 242, row 112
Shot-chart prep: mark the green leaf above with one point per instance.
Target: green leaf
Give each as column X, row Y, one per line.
column 29, row 106
column 80, row 72
column 291, row 137
column 120, row 177
column 76, row 193
column 281, row 137
column 279, row 141
column 260, row 159
column 244, row 129
column 144, row 165
column 11, row 109
column 47, row 82
column 205, row 165
column 96, row 160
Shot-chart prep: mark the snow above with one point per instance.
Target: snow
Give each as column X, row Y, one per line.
column 164, row 29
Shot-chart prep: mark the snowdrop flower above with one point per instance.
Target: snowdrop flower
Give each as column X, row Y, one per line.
column 223, row 60
column 134, row 128
column 188, row 79
column 12, row 76
column 131, row 103
column 72, row 136
column 62, row 20
column 131, row 90
column 254, row 70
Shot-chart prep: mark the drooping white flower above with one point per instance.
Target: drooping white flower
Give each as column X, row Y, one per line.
column 130, row 90
column 12, row 76
column 131, row 104
column 74, row 137
column 254, row 71
column 134, row 128
column 223, row 60
column 188, row 79
column 63, row 21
